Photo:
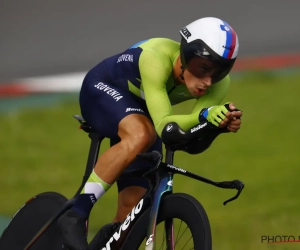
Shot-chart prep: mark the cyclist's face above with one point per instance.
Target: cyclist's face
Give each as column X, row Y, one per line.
column 198, row 75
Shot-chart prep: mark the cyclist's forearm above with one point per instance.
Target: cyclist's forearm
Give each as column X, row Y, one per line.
column 184, row 121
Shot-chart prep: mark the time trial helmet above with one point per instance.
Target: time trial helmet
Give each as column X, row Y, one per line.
column 211, row 38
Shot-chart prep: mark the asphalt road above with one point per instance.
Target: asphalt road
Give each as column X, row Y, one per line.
column 50, row 37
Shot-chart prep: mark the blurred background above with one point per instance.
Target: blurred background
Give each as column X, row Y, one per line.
column 47, row 47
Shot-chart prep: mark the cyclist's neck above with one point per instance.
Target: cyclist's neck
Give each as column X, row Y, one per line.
column 177, row 72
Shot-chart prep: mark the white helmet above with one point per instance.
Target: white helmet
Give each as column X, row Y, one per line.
column 211, row 38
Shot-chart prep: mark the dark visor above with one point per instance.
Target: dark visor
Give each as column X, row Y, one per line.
column 221, row 66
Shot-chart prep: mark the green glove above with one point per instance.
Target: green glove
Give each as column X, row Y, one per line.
column 214, row 114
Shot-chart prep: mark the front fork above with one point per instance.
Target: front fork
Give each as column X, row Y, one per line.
column 165, row 186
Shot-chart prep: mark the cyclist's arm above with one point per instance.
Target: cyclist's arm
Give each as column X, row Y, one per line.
column 154, row 74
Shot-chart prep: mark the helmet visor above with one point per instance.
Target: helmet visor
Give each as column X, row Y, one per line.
column 202, row 67
column 202, row 62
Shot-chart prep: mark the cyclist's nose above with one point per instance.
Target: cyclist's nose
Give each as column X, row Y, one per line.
column 207, row 81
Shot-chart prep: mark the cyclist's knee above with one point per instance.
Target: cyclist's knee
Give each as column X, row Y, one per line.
column 143, row 138
column 137, row 132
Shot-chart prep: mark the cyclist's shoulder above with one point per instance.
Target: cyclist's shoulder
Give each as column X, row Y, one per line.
column 149, row 50
column 158, row 53
column 160, row 47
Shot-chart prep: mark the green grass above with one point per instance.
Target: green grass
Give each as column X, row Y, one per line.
column 42, row 149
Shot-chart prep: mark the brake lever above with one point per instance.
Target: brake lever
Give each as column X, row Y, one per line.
column 235, row 184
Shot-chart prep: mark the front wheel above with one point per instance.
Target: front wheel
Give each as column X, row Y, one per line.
column 191, row 225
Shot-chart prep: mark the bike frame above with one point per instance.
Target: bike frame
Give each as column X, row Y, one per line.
column 165, row 186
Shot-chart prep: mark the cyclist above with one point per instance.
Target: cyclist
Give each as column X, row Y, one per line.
column 128, row 98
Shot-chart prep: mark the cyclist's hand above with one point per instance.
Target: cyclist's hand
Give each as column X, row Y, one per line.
column 234, row 125
column 232, row 120
column 218, row 115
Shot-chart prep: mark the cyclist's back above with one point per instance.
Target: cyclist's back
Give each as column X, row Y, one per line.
column 123, row 70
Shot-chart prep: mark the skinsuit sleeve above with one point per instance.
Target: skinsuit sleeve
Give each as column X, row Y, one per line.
column 154, row 75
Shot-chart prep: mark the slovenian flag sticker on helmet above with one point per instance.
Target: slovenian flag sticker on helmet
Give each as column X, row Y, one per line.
column 230, row 43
